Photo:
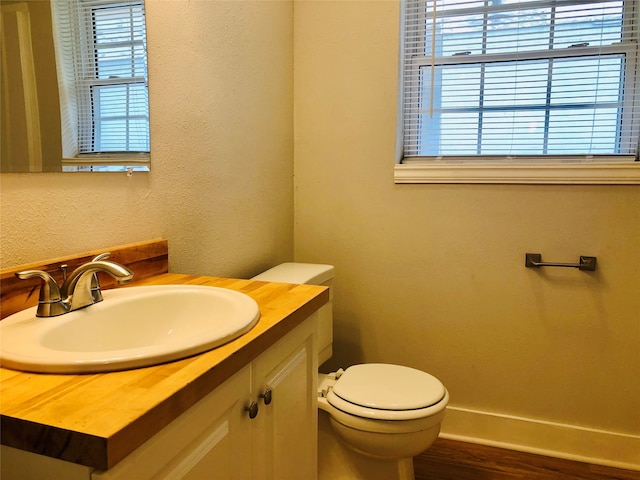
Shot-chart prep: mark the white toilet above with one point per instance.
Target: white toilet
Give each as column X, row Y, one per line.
column 373, row 418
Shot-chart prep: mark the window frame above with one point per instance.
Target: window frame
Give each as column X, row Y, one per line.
column 532, row 169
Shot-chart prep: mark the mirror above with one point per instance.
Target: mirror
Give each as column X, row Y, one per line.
column 33, row 120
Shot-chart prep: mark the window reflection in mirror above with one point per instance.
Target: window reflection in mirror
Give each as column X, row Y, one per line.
column 88, row 111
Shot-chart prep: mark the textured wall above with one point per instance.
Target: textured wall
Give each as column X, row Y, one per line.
column 433, row 276
column 220, row 189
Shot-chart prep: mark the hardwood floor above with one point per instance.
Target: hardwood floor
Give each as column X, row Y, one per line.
column 452, row 460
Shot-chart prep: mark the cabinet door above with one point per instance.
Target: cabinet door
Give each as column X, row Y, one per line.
column 285, row 438
column 210, row 441
column 17, row 464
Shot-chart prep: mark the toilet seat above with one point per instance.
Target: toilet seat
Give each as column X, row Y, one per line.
column 386, row 392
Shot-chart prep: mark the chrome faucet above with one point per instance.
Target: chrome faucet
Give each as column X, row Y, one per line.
column 78, row 290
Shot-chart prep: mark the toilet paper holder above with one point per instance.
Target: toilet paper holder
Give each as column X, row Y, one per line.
column 534, row 260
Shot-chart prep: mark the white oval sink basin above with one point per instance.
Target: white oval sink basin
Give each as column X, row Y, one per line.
column 132, row 327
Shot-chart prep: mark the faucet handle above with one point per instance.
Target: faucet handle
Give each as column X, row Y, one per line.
column 102, row 256
column 49, row 291
column 96, row 292
column 50, row 300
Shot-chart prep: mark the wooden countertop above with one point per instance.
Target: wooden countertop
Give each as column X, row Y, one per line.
column 98, row 419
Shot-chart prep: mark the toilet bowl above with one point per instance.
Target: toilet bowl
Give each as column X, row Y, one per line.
column 372, row 418
column 383, row 414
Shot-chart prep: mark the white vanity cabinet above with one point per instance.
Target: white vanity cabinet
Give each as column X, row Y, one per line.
column 217, row 440
column 284, row 442
column 210, row 440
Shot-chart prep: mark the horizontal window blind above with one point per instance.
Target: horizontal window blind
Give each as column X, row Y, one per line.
column 521, row 78
column 106, row 40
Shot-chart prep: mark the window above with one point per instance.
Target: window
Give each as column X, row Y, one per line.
column 521, row 82
column 101, row 45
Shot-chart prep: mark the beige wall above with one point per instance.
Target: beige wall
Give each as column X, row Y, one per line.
column 220, row 189
column 433, row 276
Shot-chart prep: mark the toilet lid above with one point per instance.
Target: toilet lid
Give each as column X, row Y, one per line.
column 388, row 387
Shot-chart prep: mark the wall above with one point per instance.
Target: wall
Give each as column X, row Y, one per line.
column 433, row 276
column 220, row 189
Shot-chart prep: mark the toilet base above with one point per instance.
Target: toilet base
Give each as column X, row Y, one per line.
column 338, row 462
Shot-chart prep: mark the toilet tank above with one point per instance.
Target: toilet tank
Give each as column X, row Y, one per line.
column 310, row 274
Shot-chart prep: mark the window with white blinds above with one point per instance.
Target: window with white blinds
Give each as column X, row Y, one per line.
column 103, row 72
column 549, row 80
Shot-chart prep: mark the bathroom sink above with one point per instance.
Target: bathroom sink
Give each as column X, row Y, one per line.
column 133, row 327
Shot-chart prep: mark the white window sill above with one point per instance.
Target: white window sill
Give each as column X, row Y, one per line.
column 542, row 173
column 108, row 162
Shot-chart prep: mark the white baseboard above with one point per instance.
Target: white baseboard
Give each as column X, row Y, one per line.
column 544, row 438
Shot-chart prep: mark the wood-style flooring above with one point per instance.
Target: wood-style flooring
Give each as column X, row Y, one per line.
column 453, row 460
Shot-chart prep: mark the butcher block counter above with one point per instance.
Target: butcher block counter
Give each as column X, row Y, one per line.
column 98, row 419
